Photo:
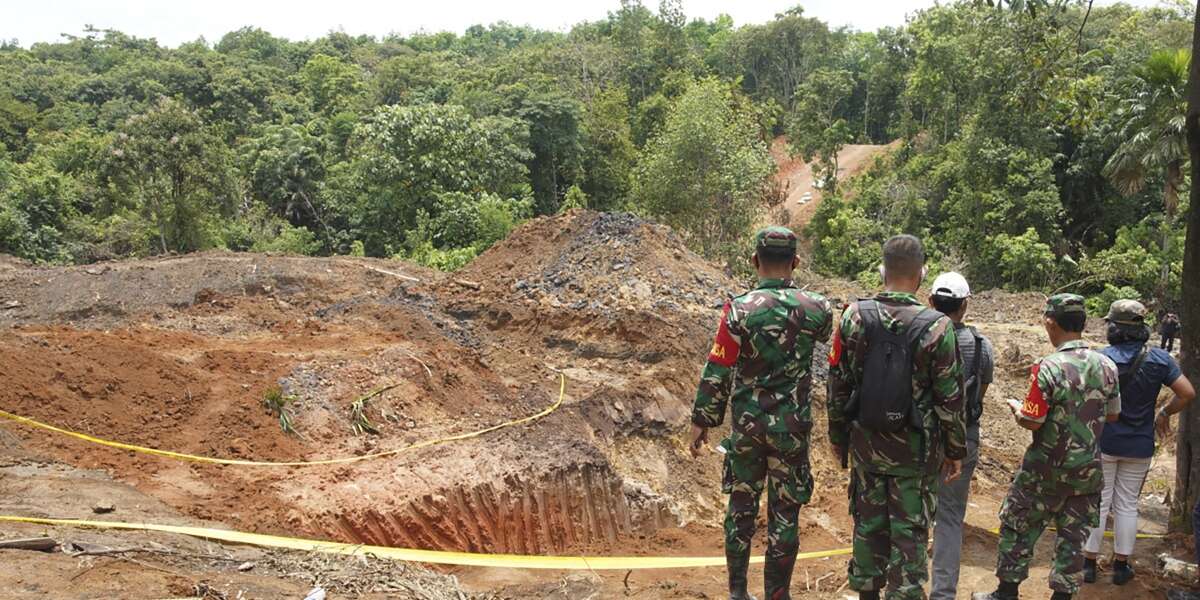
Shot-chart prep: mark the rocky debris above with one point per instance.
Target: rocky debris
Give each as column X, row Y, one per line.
column 1178, row 570
column 351, row 576
column 602, row 262
column 109, row 294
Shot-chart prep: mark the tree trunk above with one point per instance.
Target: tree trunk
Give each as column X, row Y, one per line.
column 1170, row 207
column 1187, row 454
column 867, row 115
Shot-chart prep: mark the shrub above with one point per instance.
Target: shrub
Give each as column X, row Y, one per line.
column 1098, row 304
column 1025, row 262
column 452, row 259
column 289, row 240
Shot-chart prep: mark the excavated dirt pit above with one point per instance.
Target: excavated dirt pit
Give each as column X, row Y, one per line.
column 180, row 354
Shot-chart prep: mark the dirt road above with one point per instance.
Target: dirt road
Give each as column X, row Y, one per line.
column 797, row 176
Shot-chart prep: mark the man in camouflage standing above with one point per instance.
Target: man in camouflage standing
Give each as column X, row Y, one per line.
column 1072, row 393
column 893, row 482
column 762, row 358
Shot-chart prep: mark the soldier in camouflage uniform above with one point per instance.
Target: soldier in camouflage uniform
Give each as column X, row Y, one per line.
column 762, row 358
column 893, row 486
column 1072, row 393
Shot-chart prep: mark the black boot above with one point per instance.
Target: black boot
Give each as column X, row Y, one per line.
column 1061, row 596
column 1006, row 591
column 777, row 576
column 737, row 577
column 871, row 595
column 1089, row 570
column 741, row 595
column 1122, row 572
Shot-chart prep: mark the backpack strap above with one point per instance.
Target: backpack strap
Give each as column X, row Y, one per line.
column 924, row 321
column 868, row 309
column 872, row 319
column 1134, row 368
column 978, row 359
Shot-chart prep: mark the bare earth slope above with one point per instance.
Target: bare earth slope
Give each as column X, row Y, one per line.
column 796, row 176
column 179, row 354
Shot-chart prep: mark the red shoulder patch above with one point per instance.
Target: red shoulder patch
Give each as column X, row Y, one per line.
column 725, row 348
column 1035, row 406
column 835, row 349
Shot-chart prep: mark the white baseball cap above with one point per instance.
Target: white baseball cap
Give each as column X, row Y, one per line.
column 951, row 285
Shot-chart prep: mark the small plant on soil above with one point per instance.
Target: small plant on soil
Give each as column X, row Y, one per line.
column 359, row 422
column 278, row 402
column 358, row 418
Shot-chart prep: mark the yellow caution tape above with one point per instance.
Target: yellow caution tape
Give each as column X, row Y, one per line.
column 562, row 389
column 1107, row 534
column 504, row 561
column 440, row 557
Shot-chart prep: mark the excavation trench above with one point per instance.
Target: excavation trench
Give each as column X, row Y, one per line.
column 571, row 507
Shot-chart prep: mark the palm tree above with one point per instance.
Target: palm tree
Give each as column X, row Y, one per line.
column 1154, row 137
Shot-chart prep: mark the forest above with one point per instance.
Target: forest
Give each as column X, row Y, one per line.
column 1037, row 144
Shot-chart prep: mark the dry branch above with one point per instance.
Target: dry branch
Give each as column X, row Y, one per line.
column 39, row 544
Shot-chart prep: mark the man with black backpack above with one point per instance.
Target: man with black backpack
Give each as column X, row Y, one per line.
column 949, row 296
column 895, row 414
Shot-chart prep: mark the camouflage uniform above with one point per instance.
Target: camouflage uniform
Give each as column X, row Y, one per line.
column 1060, row 479
column 893, row 484
column 762, row 359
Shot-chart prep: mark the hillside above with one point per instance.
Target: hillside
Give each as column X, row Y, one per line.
column 179, row 354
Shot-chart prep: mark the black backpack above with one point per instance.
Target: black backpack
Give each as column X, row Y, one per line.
column 971, row 380
column 885, row 401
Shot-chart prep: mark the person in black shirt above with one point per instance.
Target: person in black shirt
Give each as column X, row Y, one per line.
column 1169, row 330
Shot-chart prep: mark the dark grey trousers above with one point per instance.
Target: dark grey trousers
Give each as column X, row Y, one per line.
column 948, row 527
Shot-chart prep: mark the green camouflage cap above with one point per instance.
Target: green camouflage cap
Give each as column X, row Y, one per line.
column 1063, row 304
column 1126, row 312
column 775, row 237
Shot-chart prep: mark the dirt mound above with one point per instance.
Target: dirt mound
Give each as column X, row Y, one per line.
column 9, row 262
column 587, row 260
column 191, row 346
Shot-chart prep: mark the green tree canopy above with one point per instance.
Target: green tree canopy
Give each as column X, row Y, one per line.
column 705, row 173
column 408, row 158
column 167, row 162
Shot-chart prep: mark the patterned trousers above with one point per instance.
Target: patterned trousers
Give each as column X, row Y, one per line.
column 891, row 528
column 778, row 462
column 1024, row 516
